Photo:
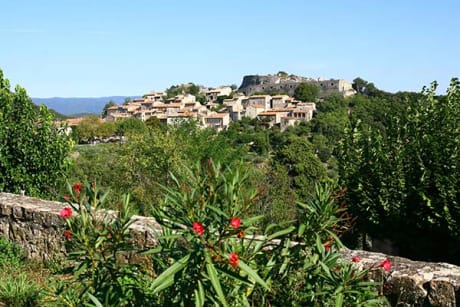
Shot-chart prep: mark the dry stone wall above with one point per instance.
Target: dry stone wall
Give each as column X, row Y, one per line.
column 36, row 225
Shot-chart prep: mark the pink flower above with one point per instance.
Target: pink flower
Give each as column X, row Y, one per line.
column 235, row 222
column 233, row 259
column 67, row 233
column 77, row 187
column 66, row 213
column 386, row 264
column 356, row 259
column 198, row 228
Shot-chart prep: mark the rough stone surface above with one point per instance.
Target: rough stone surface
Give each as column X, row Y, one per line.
column 36, row 225
column 412, row 283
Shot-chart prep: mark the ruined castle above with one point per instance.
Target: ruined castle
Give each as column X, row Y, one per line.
column 284, row 83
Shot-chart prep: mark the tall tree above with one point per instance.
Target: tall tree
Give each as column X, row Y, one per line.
column 33, row 150
column 306, row 92
column 303, row 167
column 403, row 179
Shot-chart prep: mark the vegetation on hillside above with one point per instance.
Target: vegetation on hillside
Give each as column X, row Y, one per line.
column 394, row 157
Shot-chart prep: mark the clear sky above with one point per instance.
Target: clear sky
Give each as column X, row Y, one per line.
column 90, row 48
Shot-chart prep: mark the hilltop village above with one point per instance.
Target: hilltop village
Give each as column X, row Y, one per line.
column 268, row 98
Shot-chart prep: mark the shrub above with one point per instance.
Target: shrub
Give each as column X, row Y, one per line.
column 210, row 250
column 98, row 244
column 403, row 180
column 10, row 254
column 209, row 255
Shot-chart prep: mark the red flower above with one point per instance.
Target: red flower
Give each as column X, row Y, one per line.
column 198, row 228
column 386, row 264
column 77, row 187
column 233, row 259
column 327, row 246
column 67, row 234
column 235, row 222
column 66, row 213
column 240, row 234
column 356, row 259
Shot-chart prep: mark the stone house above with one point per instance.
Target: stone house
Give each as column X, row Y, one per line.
column 217, row 121
column 258, row 100
column 253, row 110
column 280, row 101
column 212, row 94
column 154, row 96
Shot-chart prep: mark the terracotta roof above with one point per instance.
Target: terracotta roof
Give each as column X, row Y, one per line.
column 74, row 121
column 218, row 115
column 173, row 105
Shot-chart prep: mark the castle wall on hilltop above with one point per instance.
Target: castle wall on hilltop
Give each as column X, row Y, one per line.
column 274, row 84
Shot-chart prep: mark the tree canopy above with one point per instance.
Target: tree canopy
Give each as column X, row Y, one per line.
column 33, row 149
column 403, row 176
column 306, row 92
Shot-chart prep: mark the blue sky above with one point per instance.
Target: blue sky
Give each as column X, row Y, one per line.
column 90, row 48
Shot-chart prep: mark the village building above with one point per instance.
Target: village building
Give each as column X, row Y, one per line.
column 213, row 94
column 217, row 121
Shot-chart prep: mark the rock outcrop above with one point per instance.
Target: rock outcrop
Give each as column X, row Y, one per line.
column 412, row 283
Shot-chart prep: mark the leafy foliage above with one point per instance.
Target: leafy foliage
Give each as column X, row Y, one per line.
column 306, row 92
column 33, row 150
column 98, row 244
column 403, row 180
column 205, row 258
column 10, row 254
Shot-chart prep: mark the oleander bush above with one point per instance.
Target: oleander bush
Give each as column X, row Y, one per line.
column 211, row 250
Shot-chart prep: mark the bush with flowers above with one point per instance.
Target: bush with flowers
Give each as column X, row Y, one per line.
column 211, row 251
column 97, row 244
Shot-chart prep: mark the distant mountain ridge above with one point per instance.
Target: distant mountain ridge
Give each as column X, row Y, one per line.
column 78, row 105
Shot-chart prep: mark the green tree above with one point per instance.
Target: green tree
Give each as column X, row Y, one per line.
column 129, row 125
column 33, row 150
column 303, row 167
column 109, row 104
column 403, row 180
column 88, row 129
column 306, row 92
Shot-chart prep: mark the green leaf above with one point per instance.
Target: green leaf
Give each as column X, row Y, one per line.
column 301, row 229
column 218, row 211
column 339, row 300
column 171, row 271
column 253, row 274
column 96, row 302
column 280, row 233
column 252, row 220
column 212, row 273
column 199, row 295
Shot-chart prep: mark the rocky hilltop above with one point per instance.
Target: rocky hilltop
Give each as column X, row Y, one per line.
column 284, row 83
